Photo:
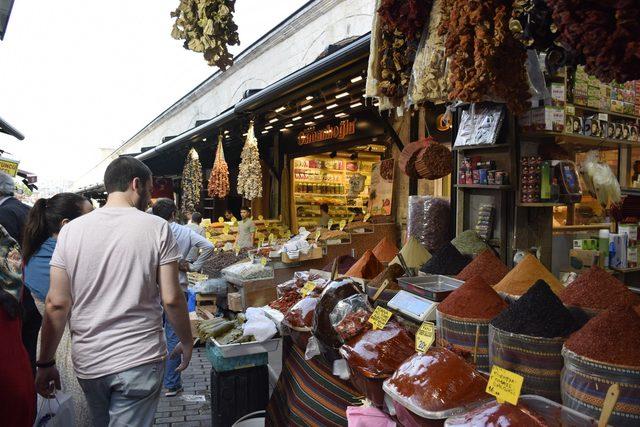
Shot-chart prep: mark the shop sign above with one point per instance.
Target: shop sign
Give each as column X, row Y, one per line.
column 10, row 167
column 341, row 131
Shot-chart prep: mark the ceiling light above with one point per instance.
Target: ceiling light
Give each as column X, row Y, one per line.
column 340, row 115
column 204, row 139
column 342, row 95
column 309, row 97
column 329, row 107
column 226, row 132
column 309, row 123
column 268, row 127
column 280, row 109
column 307, row 107
column 244, row 134
column 273, row 120
column 296, row 118
column 357, row 104
column 264, row 131
column 282, row 130
column 356, row 79
column 288, row 125
column 319, row 116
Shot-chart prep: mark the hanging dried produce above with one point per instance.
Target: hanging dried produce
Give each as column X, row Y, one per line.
column 207, row 27
column 191, row 182
column 604, row 35
column 487, row 62
column 250, row 175
column 219, row 179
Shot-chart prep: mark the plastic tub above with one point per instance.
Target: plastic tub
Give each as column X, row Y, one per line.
column 223, row 364
column 370, row 387
column 243, row 349
column 432, row 286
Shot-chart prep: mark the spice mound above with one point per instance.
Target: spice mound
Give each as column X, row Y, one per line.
column 475, row 299
column 353, row 324
column 539, row 313
column 345, row 262
column 385, row 250
column 414, row 254
column 499, row 414
column 391, row 273
column 437, row 380
column 598, row 290
column 524, row 275
column 378, row 353
column 611, row 337
column 447, row 261
column 286, row 301
column 486, row 265
column 367, row 267
column 301, row 314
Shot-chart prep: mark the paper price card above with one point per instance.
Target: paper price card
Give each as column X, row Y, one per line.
column 272, row 238
column 351, row 217
column 425, row 337
column 366, row 217
column 380, row 317
column 504, row 385
column 263, row 261
column 225, row 229
column 220, row 220
column 329, row 224
column 261, row 242
column 260, row 217
column 343, row 223
column 287, row 234
column 317, row 235
column 236, row 248
column 307, row 288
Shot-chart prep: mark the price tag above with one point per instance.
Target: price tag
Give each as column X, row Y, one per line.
column 343, row 223
column 366, row 217
column 220, row 220
column 236, row 248
column 260, row 217
column 317, row 235
column 375, row 209
column 351, row 217
column 504, row 385
column 225, row 229
column 425, row 337
column 261, row 242
column 307, row 288
column 380, row 317
column 287, row 234
column 263, row 261
column 272, row 238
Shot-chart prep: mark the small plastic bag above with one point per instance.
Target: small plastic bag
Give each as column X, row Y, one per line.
column 258, row 325
column 313, row 349
column 349, row 316
column 55, row 412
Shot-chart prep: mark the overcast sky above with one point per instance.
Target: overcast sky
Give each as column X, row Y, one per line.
column 76, row 76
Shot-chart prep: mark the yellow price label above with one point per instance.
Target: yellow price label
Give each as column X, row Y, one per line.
column 261, row 242
column 220, row 219
column 425, row 337
column 343, row 223
column 236, row 248
column 260, row 217
column 366, row 217
column 504, row 385
column 225, row 229
column 307, row 288
column 317, row 235
column 263, row 261
column 352, row 217
column 272, row 238
column 380, row 317
column 287, row 234
column 330, row 224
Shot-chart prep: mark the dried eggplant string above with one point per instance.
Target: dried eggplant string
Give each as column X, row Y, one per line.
column 191, row 182
column 219, row 179
column 250, row 174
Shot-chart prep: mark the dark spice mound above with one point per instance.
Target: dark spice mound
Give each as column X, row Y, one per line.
column 447, row 261
column 597, row 289
column 486, row 265
column 611, row 337
column 539, row 313
column 221, row 260
column 475, row 299
column 345, row 262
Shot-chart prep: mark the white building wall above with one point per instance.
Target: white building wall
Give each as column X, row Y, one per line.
column 293, row 46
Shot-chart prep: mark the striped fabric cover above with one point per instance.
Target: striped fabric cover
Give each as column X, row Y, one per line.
column 461, row 334
column 585, row 383
column 538, row 360
column 308, row 394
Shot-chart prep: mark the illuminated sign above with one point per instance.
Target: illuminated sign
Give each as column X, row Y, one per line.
column 341, row 131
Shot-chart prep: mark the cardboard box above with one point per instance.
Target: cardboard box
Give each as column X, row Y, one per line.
column 548, row 119
column 558, row 94
column 315, row 253
column 617, row 106
column 581, row 259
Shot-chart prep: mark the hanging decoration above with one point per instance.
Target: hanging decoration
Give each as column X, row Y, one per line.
column 191, row 182
column 219, row 179
column 207, row 27
column 250, row 175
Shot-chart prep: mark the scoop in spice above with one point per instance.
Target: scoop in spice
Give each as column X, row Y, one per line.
column 447, row 261
column 475, row 299
column 611, row 337
column 486, row 265
column 539, row 313
column 524, row 275
column 598, row 290
column 385, row 250
column 367, row 267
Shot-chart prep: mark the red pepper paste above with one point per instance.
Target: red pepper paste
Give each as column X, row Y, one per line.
column 611, row 337
column 488, row 266
column 367, row 267
column 353, row 324
column 301, row 314
column 500, row 414
column 286, row 301
column 475, row 299
column 598, row 290
column 438, row 380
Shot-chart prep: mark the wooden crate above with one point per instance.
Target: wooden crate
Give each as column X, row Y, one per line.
column 234, row 301
column 207, row 302
column 315, row 253
column 256, row 294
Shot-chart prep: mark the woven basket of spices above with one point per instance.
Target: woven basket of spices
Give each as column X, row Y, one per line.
column 460, row 334
column 539, row 360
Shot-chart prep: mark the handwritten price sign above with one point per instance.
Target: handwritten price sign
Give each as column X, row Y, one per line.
column 380, row 317
column 504, row 385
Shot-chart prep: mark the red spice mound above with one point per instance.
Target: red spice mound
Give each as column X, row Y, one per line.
column 596, row 289
column 611, row 337
column 301, row 314
column 367, row 267
column 286, row 301
column 385, row 250
column 353, row 324
column 488, row 266
column 475, row 299
column 499, row 414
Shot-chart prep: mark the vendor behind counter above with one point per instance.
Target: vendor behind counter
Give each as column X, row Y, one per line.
column 246, row 229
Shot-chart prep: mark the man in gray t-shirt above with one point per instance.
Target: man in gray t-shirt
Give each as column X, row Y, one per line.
column 111, row 272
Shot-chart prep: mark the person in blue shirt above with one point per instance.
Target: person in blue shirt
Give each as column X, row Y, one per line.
column 45, row 220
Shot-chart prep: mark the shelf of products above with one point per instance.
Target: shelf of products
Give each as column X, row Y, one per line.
column 486, row 187
column 481, row 147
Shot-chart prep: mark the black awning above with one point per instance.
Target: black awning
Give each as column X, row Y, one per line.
column 10, row 130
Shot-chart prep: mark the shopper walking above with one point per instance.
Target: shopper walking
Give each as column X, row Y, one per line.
column 246, row 229
column 110, row 271
column 13, row 214
column 194, row 225
column 17, row 393
column 187, row 240
column 46, row 219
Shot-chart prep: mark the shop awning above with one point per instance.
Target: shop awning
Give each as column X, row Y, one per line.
column 10, row 130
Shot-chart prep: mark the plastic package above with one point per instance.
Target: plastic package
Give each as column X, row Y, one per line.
column 537, row 359
column 537, row 83
column 299, row 320
column 600, row 180
column 211, row 286
column 349, row 316
column 258, row 325
column 428, row 221
column 480, row 125
column 243, row 272
column 368, row 416
column 585, row 382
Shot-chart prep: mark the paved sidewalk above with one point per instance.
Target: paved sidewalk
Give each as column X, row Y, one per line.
column 175, row 411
